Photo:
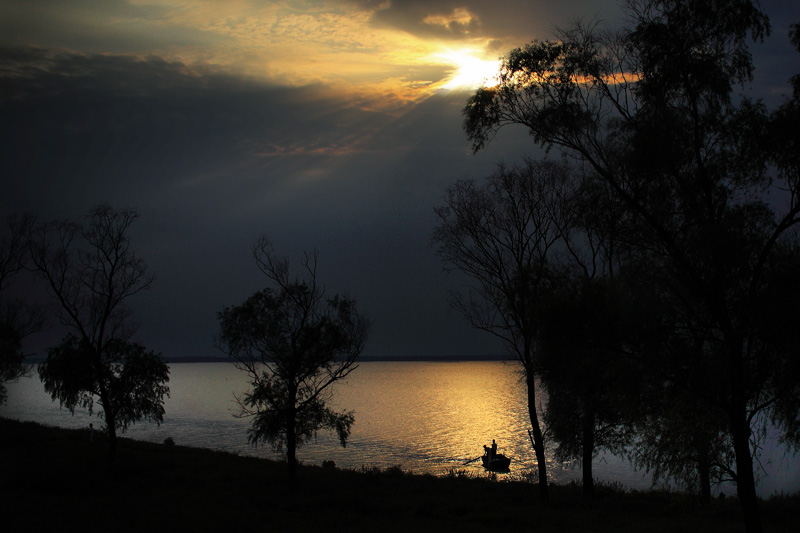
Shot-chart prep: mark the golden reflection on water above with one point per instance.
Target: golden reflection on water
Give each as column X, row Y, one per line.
column 433, row 417
column 424, row 417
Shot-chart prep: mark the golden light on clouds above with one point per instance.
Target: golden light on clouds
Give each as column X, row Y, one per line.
column 460, row 16
column 335, row 44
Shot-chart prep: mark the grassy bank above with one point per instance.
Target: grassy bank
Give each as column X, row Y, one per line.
column 56, row 479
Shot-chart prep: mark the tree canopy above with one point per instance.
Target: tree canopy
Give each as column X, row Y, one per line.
column 133, row 377
column 650, row 111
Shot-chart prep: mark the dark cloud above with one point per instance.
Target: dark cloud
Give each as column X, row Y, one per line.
column 444, row 19
column 108, row 26
column 154, row 121
column 506, row 21
column 211, row 161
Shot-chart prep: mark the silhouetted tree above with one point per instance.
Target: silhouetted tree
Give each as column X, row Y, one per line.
column 589, row 376
column 133, row 380
column 18, row 319
column 294, row 343
column 681, row 429
column 649, row 110
column 502, row 234
column 585, row 334
column 90, row 271
column 681, row 436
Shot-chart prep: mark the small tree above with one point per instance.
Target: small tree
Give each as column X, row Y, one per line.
column 587, row 345
column 133, row 377
column 681, row 437
column 91, row 271
column 589, row 376
column 294, row 343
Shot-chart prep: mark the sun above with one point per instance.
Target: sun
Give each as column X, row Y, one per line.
column 470, row 70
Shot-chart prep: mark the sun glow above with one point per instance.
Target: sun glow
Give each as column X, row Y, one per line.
column 470, row 70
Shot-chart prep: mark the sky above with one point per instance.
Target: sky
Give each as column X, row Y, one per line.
column 325, row 125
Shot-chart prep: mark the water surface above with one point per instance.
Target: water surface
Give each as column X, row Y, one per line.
column 427, row 417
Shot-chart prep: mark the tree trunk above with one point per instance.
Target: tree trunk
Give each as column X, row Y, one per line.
column 291, row 449
column 111, row 425
column 588, row 456
column 538, row 441
column 704, row 471
column 740, row 434
column 112, row 443
column 745, row 479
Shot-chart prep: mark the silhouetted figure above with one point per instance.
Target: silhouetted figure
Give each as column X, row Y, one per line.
column 91, row 432
column 494, row 449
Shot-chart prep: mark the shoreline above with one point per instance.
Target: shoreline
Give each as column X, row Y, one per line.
column 55, row 477
column 35, row 360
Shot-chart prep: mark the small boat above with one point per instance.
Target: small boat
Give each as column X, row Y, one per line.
column 498, row 463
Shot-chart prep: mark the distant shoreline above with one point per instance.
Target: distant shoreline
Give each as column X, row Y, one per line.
column 369, row 359
column 364, row 359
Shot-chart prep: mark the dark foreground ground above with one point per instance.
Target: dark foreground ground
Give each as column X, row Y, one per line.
column 56, row 480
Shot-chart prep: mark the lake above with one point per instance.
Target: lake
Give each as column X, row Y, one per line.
column 427, row 417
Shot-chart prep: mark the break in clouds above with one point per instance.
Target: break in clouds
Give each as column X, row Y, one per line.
column 212, row 160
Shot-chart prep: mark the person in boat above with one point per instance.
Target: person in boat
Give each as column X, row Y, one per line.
column 490, row 453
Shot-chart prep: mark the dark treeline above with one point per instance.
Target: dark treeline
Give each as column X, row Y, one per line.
column 648, row 275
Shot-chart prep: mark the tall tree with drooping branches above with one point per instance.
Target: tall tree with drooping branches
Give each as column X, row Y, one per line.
column 651, row 110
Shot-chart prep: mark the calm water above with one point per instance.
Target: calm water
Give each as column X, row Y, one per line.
column 425, row 417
